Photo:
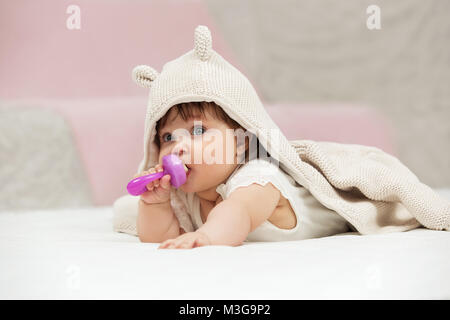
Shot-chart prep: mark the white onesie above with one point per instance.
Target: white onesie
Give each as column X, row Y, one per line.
column 313, row 219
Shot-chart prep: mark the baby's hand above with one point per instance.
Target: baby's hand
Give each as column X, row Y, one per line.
column 186, row 241
column 158, row 190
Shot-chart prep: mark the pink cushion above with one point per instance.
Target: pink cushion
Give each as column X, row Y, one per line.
column 109, row 133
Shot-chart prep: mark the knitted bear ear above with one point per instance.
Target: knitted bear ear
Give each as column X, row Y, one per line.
column 144, row 75
column 202, row 42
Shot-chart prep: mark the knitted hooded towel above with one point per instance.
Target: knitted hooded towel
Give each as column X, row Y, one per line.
column 369, row 188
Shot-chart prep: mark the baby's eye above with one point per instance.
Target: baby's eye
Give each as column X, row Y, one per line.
column 165, row 136
column 198, row 130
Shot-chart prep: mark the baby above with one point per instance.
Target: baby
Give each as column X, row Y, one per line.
column 227, row 221
column 206, row 112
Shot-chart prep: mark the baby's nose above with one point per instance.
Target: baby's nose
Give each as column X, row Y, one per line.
column 179, row 152
column 180, row 149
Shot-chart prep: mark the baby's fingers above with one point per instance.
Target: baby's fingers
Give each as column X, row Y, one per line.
column 150, row 185
column 158, row 168
column 178, row 243
column 165, row 182
column 166, row 243
column 183, row 243
column 143, row 173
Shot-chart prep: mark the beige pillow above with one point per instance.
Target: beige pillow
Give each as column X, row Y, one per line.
column 40, row 167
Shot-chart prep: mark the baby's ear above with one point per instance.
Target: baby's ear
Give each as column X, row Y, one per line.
column 144, row 75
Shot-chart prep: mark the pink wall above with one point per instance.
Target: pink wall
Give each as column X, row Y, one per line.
column 41, row 57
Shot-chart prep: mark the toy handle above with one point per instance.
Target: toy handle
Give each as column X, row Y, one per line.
column 172, row 165
column 138, row 185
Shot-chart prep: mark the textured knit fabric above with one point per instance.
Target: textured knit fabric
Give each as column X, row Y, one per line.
column 313, row 219
column 369, row 188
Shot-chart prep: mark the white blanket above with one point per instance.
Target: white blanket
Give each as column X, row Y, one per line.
column 74, row 253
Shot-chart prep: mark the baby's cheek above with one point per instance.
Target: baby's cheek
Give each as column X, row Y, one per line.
column 164, row 151
column 198, row 152
column 219, row 151
column 161, row 155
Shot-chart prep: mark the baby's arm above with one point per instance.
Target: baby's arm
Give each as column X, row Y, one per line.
column 233, row 219
column 230, row 222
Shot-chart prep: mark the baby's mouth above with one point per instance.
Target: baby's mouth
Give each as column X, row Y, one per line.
column 187, row 169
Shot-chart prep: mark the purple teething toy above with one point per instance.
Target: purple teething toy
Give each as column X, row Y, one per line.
column 172, row 165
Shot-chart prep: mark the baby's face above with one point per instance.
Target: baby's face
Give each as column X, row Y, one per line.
column 202, row 143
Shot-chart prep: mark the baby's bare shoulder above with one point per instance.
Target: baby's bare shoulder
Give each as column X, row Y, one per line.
column 259, row 201
column 255, row 191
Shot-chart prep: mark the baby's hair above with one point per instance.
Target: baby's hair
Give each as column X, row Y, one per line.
column 188, row 110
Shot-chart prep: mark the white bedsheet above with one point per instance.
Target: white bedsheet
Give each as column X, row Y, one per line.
column 73, row 253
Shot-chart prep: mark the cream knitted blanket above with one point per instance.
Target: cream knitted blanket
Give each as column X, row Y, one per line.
column 371, row 189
